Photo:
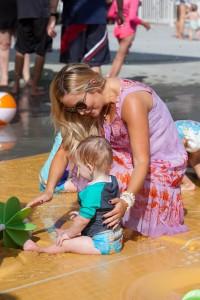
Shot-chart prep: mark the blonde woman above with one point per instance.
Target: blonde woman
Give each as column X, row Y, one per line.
column 149, row 160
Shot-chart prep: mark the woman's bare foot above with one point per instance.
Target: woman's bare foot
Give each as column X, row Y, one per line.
column 188, row 187
column 30, row 246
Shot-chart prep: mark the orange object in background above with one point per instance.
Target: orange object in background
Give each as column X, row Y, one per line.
column 8, row 108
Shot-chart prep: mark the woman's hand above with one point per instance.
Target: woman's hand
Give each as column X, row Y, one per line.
column 113, row 217
column 42, row 198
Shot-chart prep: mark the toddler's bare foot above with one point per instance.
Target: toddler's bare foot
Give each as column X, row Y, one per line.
column 30, row 246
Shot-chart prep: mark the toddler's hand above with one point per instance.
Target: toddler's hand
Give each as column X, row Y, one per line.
column 44, row 197
column 61, row 238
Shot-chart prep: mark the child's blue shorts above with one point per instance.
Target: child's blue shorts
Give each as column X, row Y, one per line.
column 109, row 241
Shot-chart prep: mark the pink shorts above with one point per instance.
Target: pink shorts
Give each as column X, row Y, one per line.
column 124, row 30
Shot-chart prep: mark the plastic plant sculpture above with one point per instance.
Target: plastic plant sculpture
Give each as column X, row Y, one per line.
column 13, row 227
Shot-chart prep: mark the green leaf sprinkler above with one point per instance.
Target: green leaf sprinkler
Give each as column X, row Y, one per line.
column 14, row 231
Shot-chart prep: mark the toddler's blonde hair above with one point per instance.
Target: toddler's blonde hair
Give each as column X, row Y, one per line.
column 95, row 151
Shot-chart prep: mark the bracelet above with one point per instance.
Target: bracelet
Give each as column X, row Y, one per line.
column 128, row 197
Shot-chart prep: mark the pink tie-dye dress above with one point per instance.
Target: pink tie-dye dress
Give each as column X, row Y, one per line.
column 158, row 208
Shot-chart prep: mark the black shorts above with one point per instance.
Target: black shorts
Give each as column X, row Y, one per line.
column 86, row 43
column 32, row 36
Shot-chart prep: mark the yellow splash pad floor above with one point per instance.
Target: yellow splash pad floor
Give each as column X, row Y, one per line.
column 146, row 269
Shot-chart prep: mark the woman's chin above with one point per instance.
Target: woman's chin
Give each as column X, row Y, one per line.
column 94, row 114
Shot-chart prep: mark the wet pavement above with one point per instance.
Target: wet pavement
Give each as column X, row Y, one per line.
column 170, row 66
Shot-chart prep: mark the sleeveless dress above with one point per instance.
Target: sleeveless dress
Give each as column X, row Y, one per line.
column 158, row 208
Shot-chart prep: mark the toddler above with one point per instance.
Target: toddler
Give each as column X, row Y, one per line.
column 65, row 184
column 194, row 21
column 88, row 234
column 189, row 132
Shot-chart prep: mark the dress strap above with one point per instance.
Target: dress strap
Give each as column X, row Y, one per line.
column 128, row 87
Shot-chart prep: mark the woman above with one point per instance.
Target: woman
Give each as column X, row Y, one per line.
column 149, row 159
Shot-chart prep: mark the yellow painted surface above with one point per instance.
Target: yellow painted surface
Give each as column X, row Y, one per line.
column 146, row 269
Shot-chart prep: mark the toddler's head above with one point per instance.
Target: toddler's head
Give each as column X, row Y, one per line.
column 93, row 154
column 193, row 7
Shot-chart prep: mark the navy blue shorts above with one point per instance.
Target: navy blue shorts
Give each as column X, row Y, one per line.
column 32, row 36
column 86, row 43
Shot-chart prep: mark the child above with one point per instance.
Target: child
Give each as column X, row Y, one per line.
column 194, row 21
column 189, row 132
column 88, row 234
column 125, row 33
column 65, row 184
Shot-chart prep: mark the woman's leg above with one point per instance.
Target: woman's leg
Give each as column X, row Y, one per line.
column 82, row 245
column 194, row 161
column 5, row 42
column 187, row 184
column 124, row 45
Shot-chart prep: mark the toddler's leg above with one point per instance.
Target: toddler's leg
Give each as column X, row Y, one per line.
column 82, row 245
column 190, row 34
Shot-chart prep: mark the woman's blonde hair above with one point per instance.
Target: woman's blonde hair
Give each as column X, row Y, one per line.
column 74, row 79
column 95, row 151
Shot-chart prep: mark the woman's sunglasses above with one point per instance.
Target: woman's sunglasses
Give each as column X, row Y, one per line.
column 80, row 106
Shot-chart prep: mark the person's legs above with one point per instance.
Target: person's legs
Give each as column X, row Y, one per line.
column 5, row 42
column 40, row 38
column 181, row 11
column 82, row 245
column 39, row 63
column 26, row 68
column 124, row 45
column 19, row 63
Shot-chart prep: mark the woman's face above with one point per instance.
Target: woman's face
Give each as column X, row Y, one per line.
column 90, row 104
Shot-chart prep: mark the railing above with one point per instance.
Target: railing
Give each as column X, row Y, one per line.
column 160, row 11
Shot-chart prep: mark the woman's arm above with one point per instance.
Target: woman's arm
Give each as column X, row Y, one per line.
column 58, row 166
column 135, row 114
